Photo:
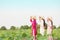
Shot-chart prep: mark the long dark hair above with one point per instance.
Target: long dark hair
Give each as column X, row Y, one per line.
column 44, row 22
column 51, row 22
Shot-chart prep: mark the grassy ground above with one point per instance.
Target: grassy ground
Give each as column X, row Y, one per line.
column 25, row 34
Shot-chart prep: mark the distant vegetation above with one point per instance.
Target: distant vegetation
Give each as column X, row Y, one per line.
column 3, row 28
column 23, row 27
column 24, row 33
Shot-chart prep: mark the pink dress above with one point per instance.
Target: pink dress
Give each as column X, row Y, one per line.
column 49, row 28
column 34, row 30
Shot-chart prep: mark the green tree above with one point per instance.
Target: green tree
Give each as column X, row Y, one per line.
column 12, row 28
column 24, row 27
column 21, row 27
column 3, row 28
column 54, row 26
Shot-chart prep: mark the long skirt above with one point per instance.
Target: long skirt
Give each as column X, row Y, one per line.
column 42, row 31
column 34, row 32
column 49, row 30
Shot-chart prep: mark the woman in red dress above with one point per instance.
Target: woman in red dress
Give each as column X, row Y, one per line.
column 34, row 29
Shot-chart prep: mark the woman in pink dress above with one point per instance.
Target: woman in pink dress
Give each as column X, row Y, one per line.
column 34, row 29
column 49, row 28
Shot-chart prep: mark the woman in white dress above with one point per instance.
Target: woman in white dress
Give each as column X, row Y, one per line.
column 42, row 24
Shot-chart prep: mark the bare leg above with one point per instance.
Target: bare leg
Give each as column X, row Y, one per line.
column 34, row 38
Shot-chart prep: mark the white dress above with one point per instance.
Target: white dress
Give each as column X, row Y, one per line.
column 42, row 28
column 49, row 28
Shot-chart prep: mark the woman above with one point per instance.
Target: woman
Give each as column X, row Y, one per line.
column 34, row 29
column 49, row 28
column 42, row 25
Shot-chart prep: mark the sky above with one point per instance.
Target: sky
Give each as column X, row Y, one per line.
column 18, row 12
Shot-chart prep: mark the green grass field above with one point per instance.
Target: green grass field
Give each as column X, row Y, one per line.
column 25, row 34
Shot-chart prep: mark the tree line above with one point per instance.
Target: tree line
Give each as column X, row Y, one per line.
column 23, row 27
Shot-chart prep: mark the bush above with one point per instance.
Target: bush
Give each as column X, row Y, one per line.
column 54, row 26
column 12, row 28
column 24, row 27
column 3, row 28
column 30, row 27
column 24, row 34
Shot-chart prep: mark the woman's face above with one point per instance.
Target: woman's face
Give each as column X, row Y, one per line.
column 34, row 17
column 41, row 18
column 48, row 19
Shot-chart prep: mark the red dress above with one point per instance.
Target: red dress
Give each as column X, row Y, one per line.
column 34, row 30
